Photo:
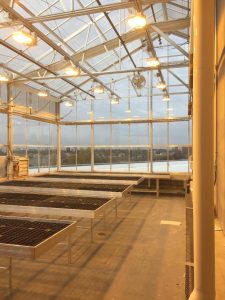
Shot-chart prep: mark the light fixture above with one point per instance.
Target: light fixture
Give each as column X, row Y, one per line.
column 161, row 85
column 115, row 99
column 137, row 21
column 68, row 103
column 5, row 77
column 166, row 98
column 43, row 93
column 24, row 38
column 152, row 62
column 98, row 89
column 72, row 71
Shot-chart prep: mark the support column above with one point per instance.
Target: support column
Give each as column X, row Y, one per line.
column 9, row 135
column 92, row 137
column 203, row 93
column 92, row 148
column 58, row 151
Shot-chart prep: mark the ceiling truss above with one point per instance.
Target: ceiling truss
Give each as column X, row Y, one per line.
column 51, row 71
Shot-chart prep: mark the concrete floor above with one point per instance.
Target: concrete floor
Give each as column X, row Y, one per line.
column 132, row 257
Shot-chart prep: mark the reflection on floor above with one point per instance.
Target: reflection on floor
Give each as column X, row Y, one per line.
column 132, row 257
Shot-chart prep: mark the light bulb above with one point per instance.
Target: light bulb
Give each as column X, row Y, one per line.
column 152, row 62
column 161, row 85
column 137, row 21
column 24, row 38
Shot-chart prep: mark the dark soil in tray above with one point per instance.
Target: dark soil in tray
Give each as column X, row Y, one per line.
column 66, row 185
column 83, row 203
column 101, row 177
column 27, row 233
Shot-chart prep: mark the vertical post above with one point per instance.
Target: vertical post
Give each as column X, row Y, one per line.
column 151, row 125
column 157, row 187
column 70, row 248
column 92, row 148
column 92, row 233
column 10, row 272
column 110, row 150
column 9, row 135
column 58, row 150
column 38, row 156
column 92, row 137
column 204, row 253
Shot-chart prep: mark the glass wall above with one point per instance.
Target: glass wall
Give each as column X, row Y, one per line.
column 37, row 141
column 142, row 133
column 144, row 147
column 3, row 134
column 76, row 147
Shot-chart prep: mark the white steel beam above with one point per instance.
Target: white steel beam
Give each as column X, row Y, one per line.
column 82, row 12
column 179, row 79
column 50, row 43
column 172, row 65
column 169, row 40
column 127, row 121
column 129, row 37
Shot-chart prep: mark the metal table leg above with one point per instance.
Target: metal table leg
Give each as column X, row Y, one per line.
column 92, row 233
column 10, row 272
column 104, row 219
column 157, row 187
column 69, row 249
column 116, row 209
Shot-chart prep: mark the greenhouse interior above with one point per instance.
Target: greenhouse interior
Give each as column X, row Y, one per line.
column 112, row 149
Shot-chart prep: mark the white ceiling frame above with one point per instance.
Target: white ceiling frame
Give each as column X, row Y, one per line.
column 129, row 37
column 178, row 78
column 169, row 40
column 49, row 42
column 163, row 66
column 82, row 12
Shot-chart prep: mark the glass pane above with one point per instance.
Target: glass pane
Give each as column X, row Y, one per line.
column 120, row 159
column 84, row 159
column 121, row 110
column 178, row 159
column 178, row 133
column 102, row 159
column 3, row 129
column 83, row 135
column 102, row 109
column 159, row 163
column 68, row 135
column 83, row 110
column 120, row 134
column 139, row 134
column 139, row 159
column 44, row 159
column 160, row 134
column 102, row 134
column 139, row 107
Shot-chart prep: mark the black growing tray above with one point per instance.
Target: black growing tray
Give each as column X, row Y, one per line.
column 27, row 232
column 83, row 203
column 67, row 185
